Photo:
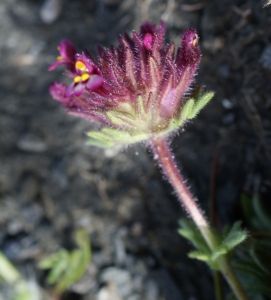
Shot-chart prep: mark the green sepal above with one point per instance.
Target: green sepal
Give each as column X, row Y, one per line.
column 100, row 139
column 200, row 103
column 191, row 108
column 108, row 137
column 140, row 108
column 121, row 119
column 130, row 124
column 99, row 143
column 176, row 123
column 186, row 111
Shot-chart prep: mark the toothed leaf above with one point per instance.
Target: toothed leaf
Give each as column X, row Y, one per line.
column 199, row 255
column 68, row 267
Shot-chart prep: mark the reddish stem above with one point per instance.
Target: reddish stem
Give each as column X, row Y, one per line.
column 165, row 158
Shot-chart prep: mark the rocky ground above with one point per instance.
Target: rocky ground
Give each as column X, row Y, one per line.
column 51, row 183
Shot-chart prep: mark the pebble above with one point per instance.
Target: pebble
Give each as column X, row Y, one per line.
column 14, row 226
column 30, row 188
column 87, row 282
column 109, row 292
column 119, row 247
column 50, row 11
column 30, row 143
column 135, row 297
column 227, row 104
column 102, row 258
column 152, row 291
column 223, row 71
column 228, row 119
column 121, row 278
column 59, row 173
column 265, row 59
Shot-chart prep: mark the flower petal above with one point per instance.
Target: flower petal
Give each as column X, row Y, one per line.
column 148, row 41
column 94, row 82
column 78, row 88
column 67, row 51
column 56, row 64
column 188, row 56
column 57, row 90
column 69, row 90
column 86, row 62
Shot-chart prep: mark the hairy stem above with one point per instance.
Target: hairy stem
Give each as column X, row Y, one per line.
column 166, row 161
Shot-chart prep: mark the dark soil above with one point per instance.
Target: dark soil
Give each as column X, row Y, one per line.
column 52, row 183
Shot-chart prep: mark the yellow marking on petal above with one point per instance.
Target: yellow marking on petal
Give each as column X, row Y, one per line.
column 59, row 57
column 85, row 77
column 81, row 66
column 77, row 79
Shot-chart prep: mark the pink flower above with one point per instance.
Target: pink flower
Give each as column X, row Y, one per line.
column 66, row 57
column 135, row 91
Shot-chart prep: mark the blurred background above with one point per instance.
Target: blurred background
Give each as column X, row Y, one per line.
column 52, row 183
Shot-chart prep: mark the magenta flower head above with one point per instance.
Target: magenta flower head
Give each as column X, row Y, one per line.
column 135, row 92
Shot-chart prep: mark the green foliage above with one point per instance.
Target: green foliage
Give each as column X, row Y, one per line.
column 255, row 214
column 21, row 289
column 232, row 238
column 253, row 262
column 67, row 268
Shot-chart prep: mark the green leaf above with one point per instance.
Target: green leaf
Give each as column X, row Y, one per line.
column 261, row 255
column 247, row 207
column 20, row 288
column 221, row 250
column 66, row 268
column 7, row 270
column 233, row 238
column 260, row 212
column 191, row 232
column 199, row 255
column 59, row 267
